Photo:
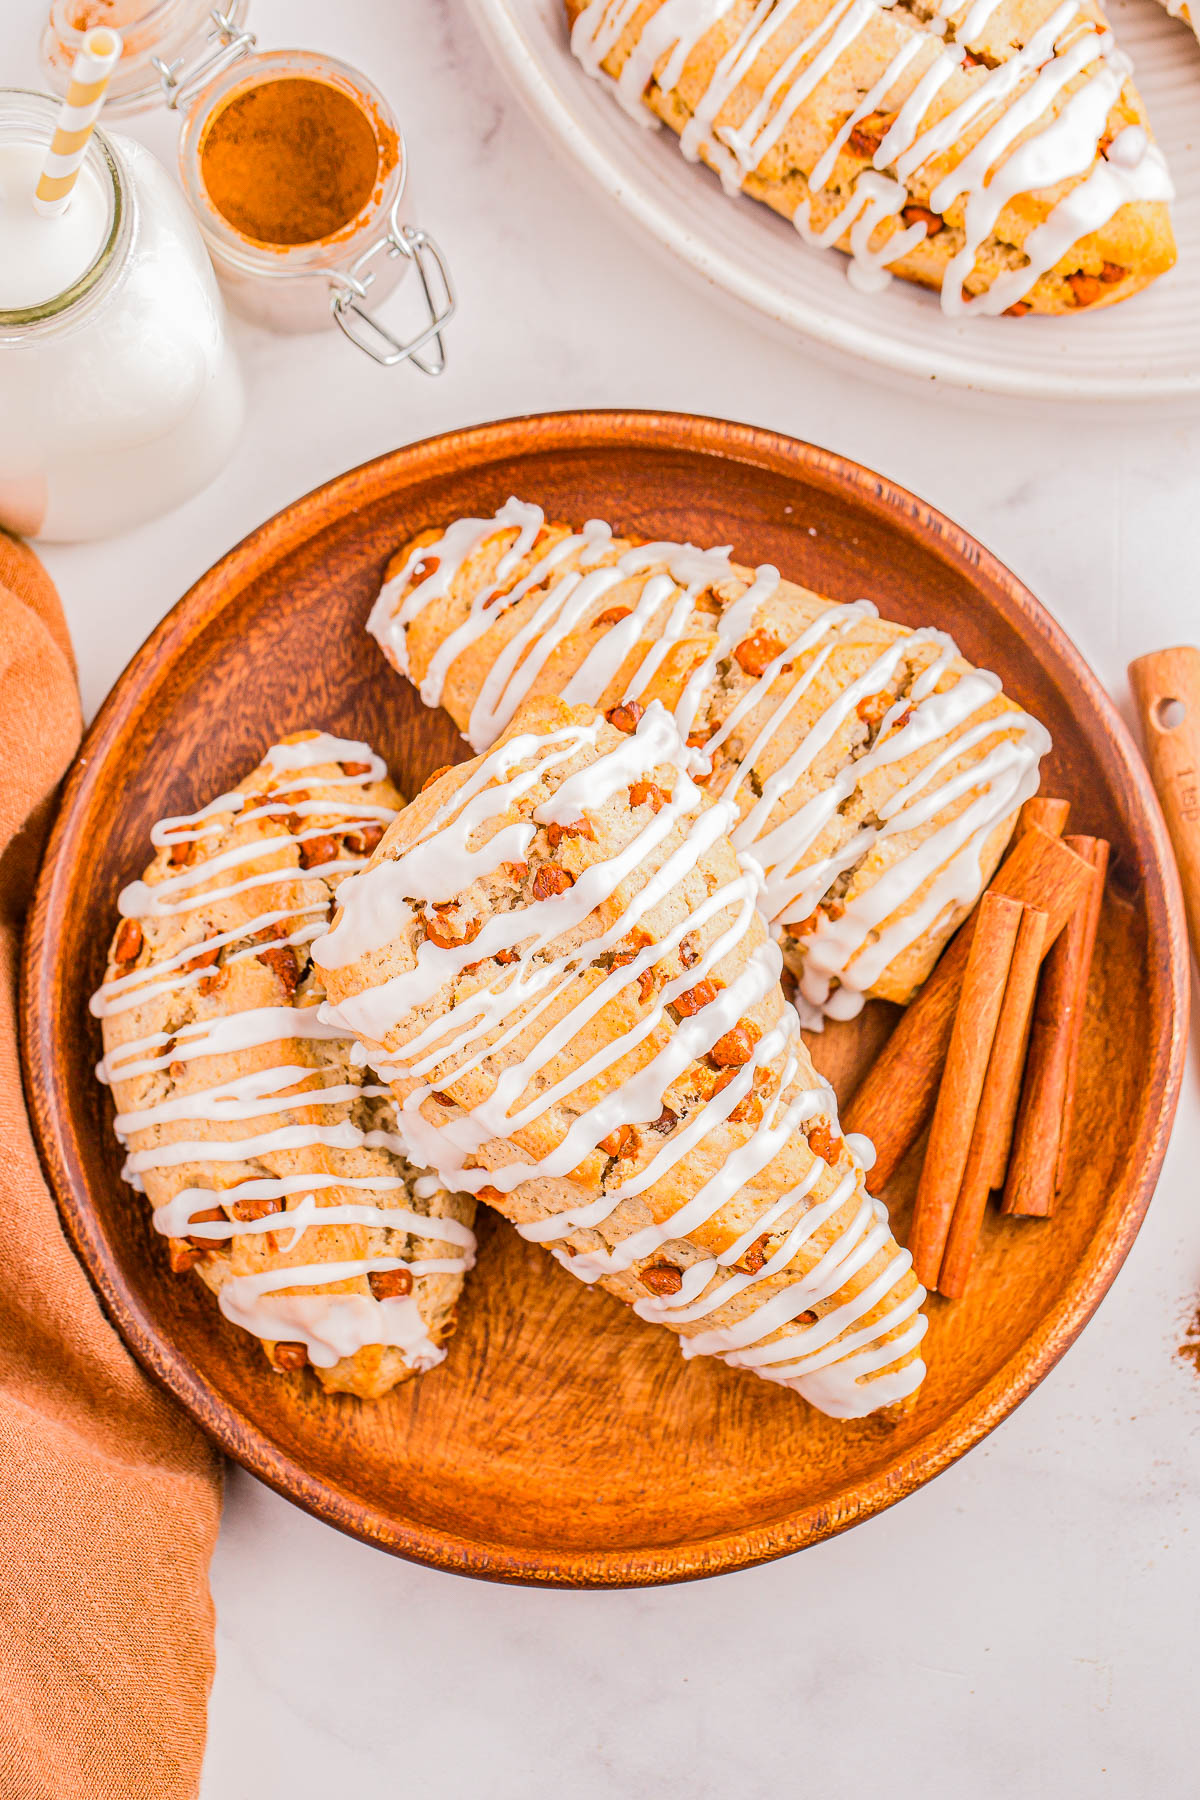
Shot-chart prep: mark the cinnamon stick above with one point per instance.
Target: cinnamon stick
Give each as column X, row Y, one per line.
column 988, row 1156
column 980, row 998
column 1046, row 813
column 895, row 1098
column 1095, row 851
column 1002, row 1091
column 1032, row 1179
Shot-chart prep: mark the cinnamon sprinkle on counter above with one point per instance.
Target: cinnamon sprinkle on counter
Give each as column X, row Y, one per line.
column 1189, row 1349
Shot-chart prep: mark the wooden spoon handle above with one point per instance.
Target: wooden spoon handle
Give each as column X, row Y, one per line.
column 1166, row 686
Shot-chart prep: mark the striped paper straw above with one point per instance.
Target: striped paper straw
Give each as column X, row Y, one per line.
column 98, row 56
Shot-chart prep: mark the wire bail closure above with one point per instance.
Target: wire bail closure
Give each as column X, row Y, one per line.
column 349, row 287
column 180, row 83
column 349, row 290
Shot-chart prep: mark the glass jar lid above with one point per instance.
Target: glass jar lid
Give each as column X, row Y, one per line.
column 161, row 38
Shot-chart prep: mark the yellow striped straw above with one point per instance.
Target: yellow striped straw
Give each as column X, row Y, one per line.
column 98, row 56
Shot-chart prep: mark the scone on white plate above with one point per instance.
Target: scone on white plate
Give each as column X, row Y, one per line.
column 997, row 150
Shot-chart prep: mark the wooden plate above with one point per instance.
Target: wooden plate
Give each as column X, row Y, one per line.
column 563, row 1441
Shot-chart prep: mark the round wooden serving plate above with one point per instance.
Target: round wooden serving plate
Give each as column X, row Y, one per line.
column 563, row 1441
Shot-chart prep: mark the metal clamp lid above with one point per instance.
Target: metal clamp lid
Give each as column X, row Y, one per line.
column 181, row 82
column 364, row 329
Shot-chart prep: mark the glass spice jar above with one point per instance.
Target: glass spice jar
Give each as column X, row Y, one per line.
column 235, row 98
column 300, row 285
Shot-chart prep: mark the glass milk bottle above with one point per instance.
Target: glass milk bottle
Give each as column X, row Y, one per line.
column 119, row 393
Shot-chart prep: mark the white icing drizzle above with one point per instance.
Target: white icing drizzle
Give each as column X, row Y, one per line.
column 843, row 957
column 322, row 748
column 758, row 135
column 1022, row 91
column 331, row 1326
column 733, row 67
column 454, row 847
column 125, row 992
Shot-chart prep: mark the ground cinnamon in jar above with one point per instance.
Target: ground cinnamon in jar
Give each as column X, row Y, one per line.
column 291, row 161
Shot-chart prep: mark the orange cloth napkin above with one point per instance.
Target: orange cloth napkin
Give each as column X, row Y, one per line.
column 109, row 1496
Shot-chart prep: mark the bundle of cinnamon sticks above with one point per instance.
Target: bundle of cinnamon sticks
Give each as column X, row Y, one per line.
column 990, row 1047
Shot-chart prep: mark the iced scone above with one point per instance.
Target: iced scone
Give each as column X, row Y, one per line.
column 997, row 150
column 556, row 957
column 873, row 772
column 269, row 1154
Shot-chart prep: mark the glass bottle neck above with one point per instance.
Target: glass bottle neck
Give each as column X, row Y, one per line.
column 27, row 118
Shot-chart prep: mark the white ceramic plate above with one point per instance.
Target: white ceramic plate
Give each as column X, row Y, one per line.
column 1147, row 348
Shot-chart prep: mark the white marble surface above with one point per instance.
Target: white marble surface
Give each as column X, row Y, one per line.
column 1025, row 1625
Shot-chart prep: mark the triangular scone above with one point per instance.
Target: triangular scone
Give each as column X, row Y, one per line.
column 216, row 1057
column 556, row 958
column 875, row 774
column 998, row 151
